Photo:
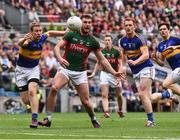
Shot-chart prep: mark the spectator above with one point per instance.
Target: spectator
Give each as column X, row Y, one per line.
column 3, row 20
column 33, row 16
column 51, row 61
column 4, row 61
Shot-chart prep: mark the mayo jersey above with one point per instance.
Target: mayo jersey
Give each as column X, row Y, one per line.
column 172, row 56
column 112, row 56
column 77, row 50
column 29, row 56
column 131, row 47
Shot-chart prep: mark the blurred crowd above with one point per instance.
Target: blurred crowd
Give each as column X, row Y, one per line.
column 108, row 16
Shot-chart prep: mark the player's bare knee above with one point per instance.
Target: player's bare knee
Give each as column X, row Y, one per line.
column 54, row 89
column 166, row 85
column 85, row 102
column 142, row 88
column 152, row 99
column 141, row 95
column 32, row 92
column 104, row 97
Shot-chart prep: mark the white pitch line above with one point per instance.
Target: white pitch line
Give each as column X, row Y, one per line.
column 72, row 135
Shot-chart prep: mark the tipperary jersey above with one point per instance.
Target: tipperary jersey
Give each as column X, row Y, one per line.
column 131, row 47
column 77, row 50
column 172, row 55
column 29, row 56
column 112, row 56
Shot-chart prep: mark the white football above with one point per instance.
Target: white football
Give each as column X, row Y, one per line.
column 74, row 23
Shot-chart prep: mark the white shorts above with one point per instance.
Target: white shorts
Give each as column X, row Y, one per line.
column 148, row 72
column 23, row 75
column 77, row 77
column 176, row 75
column 108, row 78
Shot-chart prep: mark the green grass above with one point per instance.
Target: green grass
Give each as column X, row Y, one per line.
column 78, row 126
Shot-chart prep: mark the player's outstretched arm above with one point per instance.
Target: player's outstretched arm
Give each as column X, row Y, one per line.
column 174, row 47
column 53, row 33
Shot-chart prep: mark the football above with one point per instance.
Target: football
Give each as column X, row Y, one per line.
column 74, row 23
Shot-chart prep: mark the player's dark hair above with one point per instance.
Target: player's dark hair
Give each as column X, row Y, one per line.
column 164, row 23
column 34, row 24
column 86, row 16
column 109, row 35
column 130, row 19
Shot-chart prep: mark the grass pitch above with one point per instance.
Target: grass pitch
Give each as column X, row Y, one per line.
column 78, row 126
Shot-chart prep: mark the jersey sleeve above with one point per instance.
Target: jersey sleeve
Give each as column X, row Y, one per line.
column 44, row 37
column 68, row 36
column 96, row 45
column 142, row 43
column 177, row 40
column 119, row 43
column 159, row 48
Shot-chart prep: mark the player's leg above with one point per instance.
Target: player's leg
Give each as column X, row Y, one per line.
column 171, row 81
column 170, row 84
column 119, row 100
column 34, row 101
column 105, row 79
column 25, row 98
column 58, row 82
column 145, row 90
column 23, row 77
column 105, row 102
column 83, row 92
column 33, row 76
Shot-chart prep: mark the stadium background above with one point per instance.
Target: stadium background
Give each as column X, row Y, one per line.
column 108, row 16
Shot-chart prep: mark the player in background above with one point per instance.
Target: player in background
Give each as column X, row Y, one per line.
column 78, row 46
column 27, row 69
column 169, row 50
column 113, row 55
column 136, row 50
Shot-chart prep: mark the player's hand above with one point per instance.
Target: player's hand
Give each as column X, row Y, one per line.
column 64, row 63
column 131, row 62
column 153, row 56
column 67, row 30
column 170, row 48
column 91, row 76
column 120, row 76
column 173, row 47
column 28, row 37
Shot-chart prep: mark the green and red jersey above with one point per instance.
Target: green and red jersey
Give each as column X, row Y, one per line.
column 112, row 56
column 78, row 49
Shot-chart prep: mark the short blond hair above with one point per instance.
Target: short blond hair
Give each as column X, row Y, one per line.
column 34, row 24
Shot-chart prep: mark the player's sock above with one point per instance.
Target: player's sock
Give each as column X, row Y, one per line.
column 150, row 117
column 34, row 116
column 120, row 109
column 49, row 115
column 93, row 118
column 165, row 94
column 34, row 123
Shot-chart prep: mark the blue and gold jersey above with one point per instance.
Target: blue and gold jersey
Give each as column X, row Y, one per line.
column 131, row 47
column 29, row 56
column 172, row 55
